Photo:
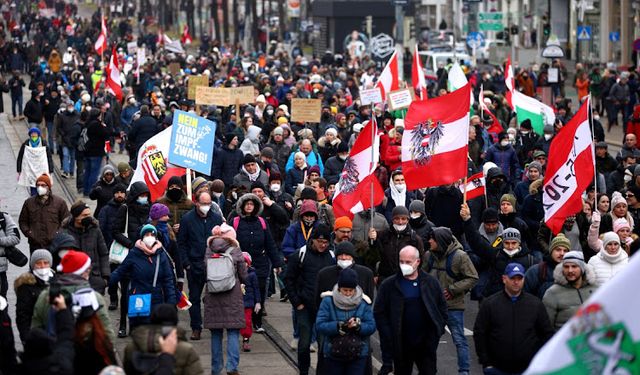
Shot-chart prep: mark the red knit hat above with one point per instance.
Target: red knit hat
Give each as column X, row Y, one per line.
column 75, row 262
column 44, row 178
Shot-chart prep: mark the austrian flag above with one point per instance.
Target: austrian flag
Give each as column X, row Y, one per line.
column 570, row 170
column 475, row 186
column 434, row 143
column 353, row 191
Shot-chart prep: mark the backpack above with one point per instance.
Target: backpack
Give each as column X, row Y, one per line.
column 221, row 272
column 448, row 266
column 303, row 252
column 236, row 221
column 83, row 140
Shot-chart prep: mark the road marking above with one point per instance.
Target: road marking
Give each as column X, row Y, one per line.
column 467, row 332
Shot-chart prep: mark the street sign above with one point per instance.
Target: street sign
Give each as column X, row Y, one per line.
column 614, row 36
column 584, row 32
column 475, row 40
column 490, row 21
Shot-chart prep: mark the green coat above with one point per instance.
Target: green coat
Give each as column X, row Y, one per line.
column 461, row 266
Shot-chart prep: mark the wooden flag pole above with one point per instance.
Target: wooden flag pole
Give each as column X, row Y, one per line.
column 189, row 194
column 464, row 195
column 595, row 168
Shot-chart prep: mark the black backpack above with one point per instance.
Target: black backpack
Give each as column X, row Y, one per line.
column 448, row 265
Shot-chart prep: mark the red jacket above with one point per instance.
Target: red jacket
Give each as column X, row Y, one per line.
column 393, row 156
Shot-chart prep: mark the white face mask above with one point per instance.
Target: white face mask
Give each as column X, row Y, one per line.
column 504, row 142
column 400, row 187
column 548, row 136
column 400, row 228
column 275, row 187
column 42, row 190
column 149, row 240
column 524, row 132
column 406, row 269
column 596, row 117
column 269, row 112
column 43, row 274
column 217, row 195
column 415, row 216
column 344, row 263
column 511, row 252
column 205, row 209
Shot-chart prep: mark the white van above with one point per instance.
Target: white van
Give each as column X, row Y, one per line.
column 431, row 60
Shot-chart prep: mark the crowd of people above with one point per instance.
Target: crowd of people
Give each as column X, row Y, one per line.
column 262, row 220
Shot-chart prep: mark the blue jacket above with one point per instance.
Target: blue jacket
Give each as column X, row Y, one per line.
column 226, row 164
column 140, row 269
column 329, row 316
column 293, row 177
column 294, row 239
column 251, row 289
column 126, row 116
column 312, row 159
column 506, row 159
column 192, row 237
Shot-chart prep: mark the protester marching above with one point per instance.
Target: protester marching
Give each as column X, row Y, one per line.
column 361, row 211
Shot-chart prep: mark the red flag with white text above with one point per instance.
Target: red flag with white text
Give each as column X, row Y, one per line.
column 353, row 191
column 570, row 170
column 435, row 140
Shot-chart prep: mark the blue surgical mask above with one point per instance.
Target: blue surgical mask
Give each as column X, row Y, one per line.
column 143, row 200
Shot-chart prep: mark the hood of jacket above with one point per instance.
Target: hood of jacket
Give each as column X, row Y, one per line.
column 135, row 190
column 253, row 133
column 62, row 240
column 26, row 278
column 589, row 277
column 106, row 169
column 256, row 201
column 493, row 173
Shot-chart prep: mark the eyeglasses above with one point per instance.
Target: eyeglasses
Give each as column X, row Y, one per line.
column 630, row 195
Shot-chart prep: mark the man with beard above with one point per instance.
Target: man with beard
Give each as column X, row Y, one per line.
column 574, row 283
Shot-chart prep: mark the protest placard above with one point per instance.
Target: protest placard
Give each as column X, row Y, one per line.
column 192, row 139
column 212, row 96
column 400, row 99
column 371, row 96
column 306, row 110
column 193, row 82
column 174, row 68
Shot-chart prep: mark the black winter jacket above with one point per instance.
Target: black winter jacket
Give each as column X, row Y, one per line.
column 107, row 218
column 33, row 110
column 192, row 238
column 64, row 124
column 300, row 279
column 441, row 206
column 508, row 334
column 138, row 216
column 333, row 169
column 389, row 308
column 226, row 164
column 141, row 130
column 328, row 277
column 388, row 246
column 98, row 134
column 28, row 288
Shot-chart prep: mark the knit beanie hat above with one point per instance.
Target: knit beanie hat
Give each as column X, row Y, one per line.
column 164, row 314
column 575, row 257
column 247, row 258
column 278, row 130
column 147, row 228
column 321, row 232
column 217, row 186
column 308, row 193
column 343, row 222
column 248, row 159
column 511, row 234
column 346, row 247
column 75, row 262
column 267, row 152
column 275, row 176
column 44, row 178
column 534, row 165
column 609, row 237
column 175, row 180
column 490, row 215
column 348, row 278
column 616, row 199
column 509, row 198
column 123, row 167
column 119, row 188
column 198, row 183
column 157, row 211
column 314, row 169
column 223, row 231
column 620, row 223
column 417, row 206
column 399, row 211
column 560, row 240
column 40, row 254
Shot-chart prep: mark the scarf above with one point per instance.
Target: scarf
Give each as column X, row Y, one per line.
column 398, row 197
column 252, row 176
column 148, row 250
column 613, row 258
column 34, row 144
column 346, row 303
column 163, row 233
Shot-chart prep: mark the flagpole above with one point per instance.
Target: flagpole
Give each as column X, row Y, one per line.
column 373, row 140
column 188, row 172
column 595, row 168
column 464, row 195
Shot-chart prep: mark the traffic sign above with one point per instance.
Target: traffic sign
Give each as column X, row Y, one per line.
column 490, row 21
column 584, row 32
column 614, row 36
column 475, row 40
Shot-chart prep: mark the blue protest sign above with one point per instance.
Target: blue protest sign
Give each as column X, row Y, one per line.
column 192, row 139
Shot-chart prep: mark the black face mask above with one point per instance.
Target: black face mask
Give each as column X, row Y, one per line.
column 174, row 194
column 86, row 222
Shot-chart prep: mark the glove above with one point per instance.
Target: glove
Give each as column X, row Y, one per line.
column 595, row 217
column 335, row 142
column 257, row 308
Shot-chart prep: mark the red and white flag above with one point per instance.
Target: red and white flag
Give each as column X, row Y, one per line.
column 353, row 191
column 186, row 37
column 570, row 170
column 495, row 128
column 417, row 76
column 435, row 140
column 153, row 166
column 101, row 44
column 475, row 186
column 389, row 78
column 113, row 82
